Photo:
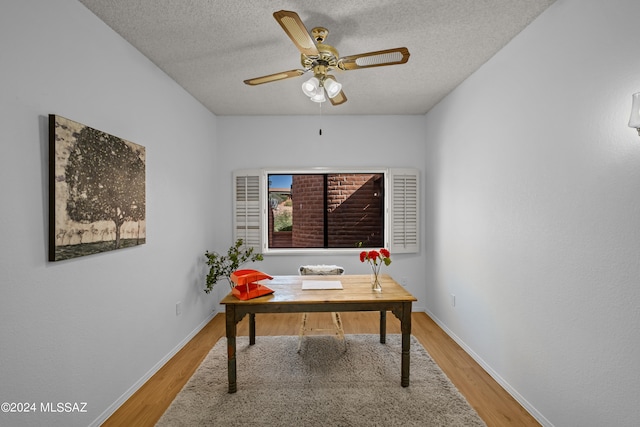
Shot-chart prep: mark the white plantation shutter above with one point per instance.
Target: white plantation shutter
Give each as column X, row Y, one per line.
column 403, row 212
column 247, row 203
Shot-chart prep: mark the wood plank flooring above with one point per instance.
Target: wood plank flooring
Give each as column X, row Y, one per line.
column 494, row 405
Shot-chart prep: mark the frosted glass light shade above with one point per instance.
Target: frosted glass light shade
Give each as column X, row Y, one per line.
column 310, row 87
column 319, row 95
column 634, row 120
column 332, row 87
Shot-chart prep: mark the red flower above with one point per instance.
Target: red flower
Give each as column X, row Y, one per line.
column 376, row 259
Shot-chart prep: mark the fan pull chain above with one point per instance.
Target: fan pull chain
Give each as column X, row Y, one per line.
column 320, row 103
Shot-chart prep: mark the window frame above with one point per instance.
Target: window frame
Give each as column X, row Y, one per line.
column 245, row 221
column 320, row 171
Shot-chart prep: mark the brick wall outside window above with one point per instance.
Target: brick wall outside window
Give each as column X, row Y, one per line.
column 354, row 210
column 308, row 211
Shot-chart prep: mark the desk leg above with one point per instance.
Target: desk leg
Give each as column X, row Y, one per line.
column 252, row 328
column 405, row 326
column 231, row 347
column 383, row 326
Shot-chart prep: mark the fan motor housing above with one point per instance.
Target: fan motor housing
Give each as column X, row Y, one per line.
column 328, row 56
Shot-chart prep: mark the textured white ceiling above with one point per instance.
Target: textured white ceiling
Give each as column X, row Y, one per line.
column 210, row 46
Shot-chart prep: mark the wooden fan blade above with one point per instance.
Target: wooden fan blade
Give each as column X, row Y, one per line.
column 275, row 77
column 399, row 55
column 297, row 32
column 340, row 98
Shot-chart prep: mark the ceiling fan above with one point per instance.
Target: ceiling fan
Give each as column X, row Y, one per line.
column 322, row 58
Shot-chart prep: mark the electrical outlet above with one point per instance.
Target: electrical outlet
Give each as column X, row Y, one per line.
column 453, row 300
column 178, row 308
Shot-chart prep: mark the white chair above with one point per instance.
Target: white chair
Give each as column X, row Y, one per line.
column 321, row 270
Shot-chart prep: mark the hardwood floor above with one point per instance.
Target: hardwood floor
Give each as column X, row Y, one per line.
column 494, row 405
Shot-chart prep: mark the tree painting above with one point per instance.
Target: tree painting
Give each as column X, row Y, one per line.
column 98, row 191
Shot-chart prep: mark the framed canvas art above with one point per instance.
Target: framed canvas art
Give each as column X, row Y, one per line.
column 96, row 191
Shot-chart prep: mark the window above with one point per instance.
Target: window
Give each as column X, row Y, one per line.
column 280, row 211
column 325, row 210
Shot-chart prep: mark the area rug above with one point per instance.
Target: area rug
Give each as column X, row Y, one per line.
column 326, row 384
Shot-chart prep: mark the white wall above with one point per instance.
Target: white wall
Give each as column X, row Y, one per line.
column 531, row 204
column 346, row 141
column 534, row 220
column 88, row 329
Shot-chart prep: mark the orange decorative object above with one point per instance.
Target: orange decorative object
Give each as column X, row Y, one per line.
column 245, row 286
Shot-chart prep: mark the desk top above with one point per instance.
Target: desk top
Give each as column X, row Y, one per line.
column 356, row 289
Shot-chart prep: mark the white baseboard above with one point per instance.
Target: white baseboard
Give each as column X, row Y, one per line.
column 504, row 384
column 415, row 309
column 115, row 405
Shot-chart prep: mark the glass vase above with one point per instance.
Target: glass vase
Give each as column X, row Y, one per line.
column 375, row 282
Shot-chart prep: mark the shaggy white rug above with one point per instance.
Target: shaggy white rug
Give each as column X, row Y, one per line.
column 323, row 385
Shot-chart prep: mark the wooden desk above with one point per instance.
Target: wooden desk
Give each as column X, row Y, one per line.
column 290, row 298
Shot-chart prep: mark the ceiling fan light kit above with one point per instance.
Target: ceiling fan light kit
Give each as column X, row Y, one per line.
column 321, row 59
column 311, row 86
column 315, row 88
column 332, row 87
column 318, row 97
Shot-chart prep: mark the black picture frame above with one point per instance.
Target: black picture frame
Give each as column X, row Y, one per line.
column 97, row 191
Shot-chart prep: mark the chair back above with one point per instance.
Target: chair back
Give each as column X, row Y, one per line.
column 320, row 269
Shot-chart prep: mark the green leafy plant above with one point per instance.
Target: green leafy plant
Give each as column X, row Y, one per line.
column 221, row 266
column 283, row 222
